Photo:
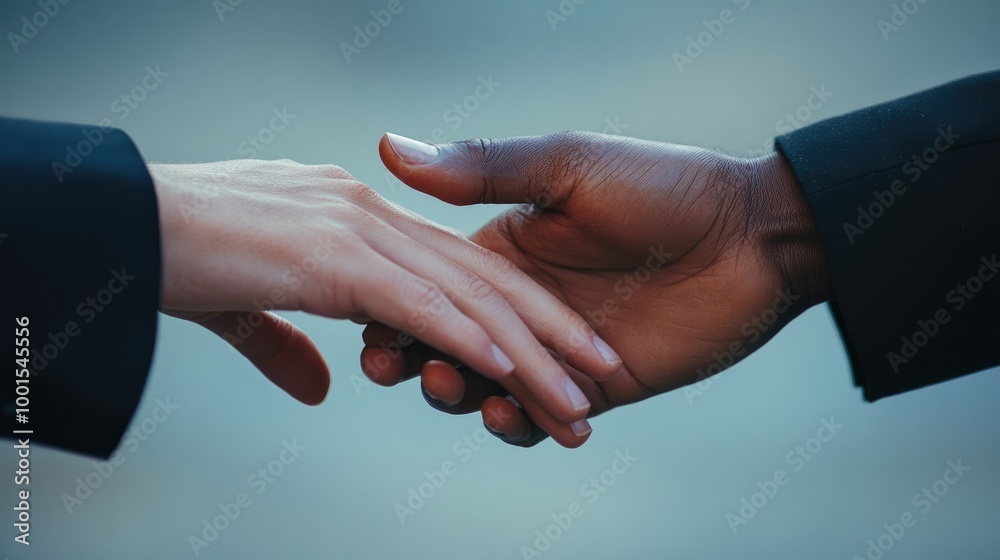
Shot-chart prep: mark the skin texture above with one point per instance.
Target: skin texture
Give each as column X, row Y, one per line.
column 668, row 251
column 243, row 238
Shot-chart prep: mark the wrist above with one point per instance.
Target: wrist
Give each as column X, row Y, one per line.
column 782, row 225
column 168, row 205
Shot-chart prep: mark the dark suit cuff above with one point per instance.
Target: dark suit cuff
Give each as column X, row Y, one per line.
column 82, row 252
column 904, row 196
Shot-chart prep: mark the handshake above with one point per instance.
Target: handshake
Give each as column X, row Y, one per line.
column 621, row 270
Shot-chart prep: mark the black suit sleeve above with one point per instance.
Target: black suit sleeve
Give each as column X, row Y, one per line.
column 80, row 253
column 906, row 196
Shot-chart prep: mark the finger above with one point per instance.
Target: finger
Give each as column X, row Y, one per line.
column 383, row 366
column 440, row 381
column 398, row 298
column 555, row 325
column 538, row 422
column 507, row 421
column 456, row 390
column 504, row 419
column 444, row 388
column 276, row 347
column 537, row 370
column 537, row 170
column 391, row 356
column 567, row 434
column 376, row 334
column 447, row 379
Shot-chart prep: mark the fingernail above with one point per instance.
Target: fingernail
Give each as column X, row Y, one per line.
column 506, row 366
column 412, row 151
column 576, row 396
column 581, row 427
column 518, row 435
column 513, row 438
column 440, row 399
column 489, row 426
column 609, row 355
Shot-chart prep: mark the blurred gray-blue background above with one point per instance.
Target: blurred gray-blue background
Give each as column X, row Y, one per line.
column 220, row 71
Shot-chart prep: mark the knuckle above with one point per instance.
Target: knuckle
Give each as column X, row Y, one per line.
column 427, row 297
column 478, row 150
column 283, row 165
column 490, row 160
column 569, row 155
column 359, row 193
column 334, row 172
column 465, row 285
column 502, row 272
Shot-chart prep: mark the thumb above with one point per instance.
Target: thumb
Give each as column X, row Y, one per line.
column 540, row 170
column 276, row 347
